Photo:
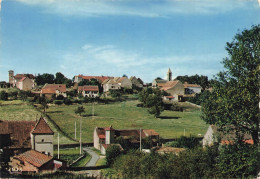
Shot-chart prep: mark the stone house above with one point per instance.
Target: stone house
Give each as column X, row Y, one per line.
column 105, row 136
column 53, row 89
column 33, row 161
column 81, row 77
column 136, row 82
column 158, row 83
column 124, row 82
column 192, row 88
column 214, row 135
column 21, row 81
column 175, row 89
column 89, row 91
column 110, row 84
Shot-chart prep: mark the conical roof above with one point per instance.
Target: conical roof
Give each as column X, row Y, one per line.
column 42, row 127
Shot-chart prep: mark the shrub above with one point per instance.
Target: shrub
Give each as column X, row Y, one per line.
column 3, row 95
column 67, row 101
column 60, row 97
column 111, row 153
column 58, row 102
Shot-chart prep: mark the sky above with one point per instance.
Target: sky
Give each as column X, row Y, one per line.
column 117, row 37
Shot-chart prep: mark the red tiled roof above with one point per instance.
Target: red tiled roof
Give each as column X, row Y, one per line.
column 120, row 79
column 42, row 128
column 34, row 157
column 99, row 78
column 80, row 88
column 19, row 132
column 169, row 84
column 90, row 88
column 23, row 79
column 18, row 76
column 150, row 132
column 109, row 128
column 51, row 88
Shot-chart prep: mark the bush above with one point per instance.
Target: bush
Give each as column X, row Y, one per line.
column 3, row 95
column 112, row 153
column 60, row 97
column 185, row 142
column 58, row 102
column 67, row 101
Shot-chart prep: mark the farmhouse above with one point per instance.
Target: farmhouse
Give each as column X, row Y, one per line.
column 105, row 136
column 89, row 91
column 192, row 88
column 124, row 82
column 110, row 84
column 21, row 81
column 214, row 135
column 136, row 82
column 81, row 77
column 175, row 89
column 53, row 89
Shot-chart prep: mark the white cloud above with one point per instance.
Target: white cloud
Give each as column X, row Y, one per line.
column 147, row 8
column 112, row 61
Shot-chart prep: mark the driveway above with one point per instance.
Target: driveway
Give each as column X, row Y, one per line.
column 94, row 157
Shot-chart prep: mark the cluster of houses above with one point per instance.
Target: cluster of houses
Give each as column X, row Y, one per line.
column 175, row 88
column 28, row 147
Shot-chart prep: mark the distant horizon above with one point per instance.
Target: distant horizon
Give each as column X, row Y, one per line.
column 113, row 38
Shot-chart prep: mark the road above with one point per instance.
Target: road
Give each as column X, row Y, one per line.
column 92, row 162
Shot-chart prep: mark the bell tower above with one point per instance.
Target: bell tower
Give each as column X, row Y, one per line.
column 169, row 75
column 11, row 76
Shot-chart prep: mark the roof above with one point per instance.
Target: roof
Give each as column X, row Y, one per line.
column 169, row 97
column 109, row 128
column 187, row 85
column 90, row 88
column 111, row 81
column 227, row 138
column 23, row 79
column 19, row 132
column 169, row 71
column 99, row 78
column 108, row 145
column 160, row 81
column 120, row 79
column 42, row 127
column 126, row 133
column 24, row 75
column 51, row 88
column 80, row 88
column 169, row 84
column 35, row 158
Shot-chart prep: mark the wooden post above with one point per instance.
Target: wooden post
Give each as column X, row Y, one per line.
column 93, row 110
column 80, row 137
column 140, row 140
column 58, row 146
column 75, row 129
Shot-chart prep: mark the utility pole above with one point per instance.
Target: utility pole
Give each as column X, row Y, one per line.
column 140, row 140
column 93, row 110
column 58, row 145
column 80, row 137
column 75, row 129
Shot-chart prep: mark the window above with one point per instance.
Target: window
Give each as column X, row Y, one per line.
column 42, row 140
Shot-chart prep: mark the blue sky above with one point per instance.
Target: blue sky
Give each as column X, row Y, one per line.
column 116, row 37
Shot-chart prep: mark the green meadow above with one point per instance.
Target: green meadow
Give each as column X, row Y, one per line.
column 126, row 115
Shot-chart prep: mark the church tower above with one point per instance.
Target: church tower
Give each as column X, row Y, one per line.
column 169, row 75
column 11, row 76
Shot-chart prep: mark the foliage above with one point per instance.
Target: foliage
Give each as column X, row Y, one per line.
column 58, row 102
column 44, row 78
column 3, row 95
column 195, row 79
column 79, row 110
column 233, row 104
column 67, row 101
column 60, row 97
column 115, row 93
column 152, row 98
column 199, row 98
column 24, row 94
column 185, row 142
column 112, row 152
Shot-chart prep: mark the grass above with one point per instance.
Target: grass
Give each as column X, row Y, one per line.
column 70, row 154
column 18, row 110
column 82, row 162
column 126, row 115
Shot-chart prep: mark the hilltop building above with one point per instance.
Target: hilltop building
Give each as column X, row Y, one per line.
column 24, row 82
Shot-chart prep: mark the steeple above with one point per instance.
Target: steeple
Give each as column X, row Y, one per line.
column 169, row 75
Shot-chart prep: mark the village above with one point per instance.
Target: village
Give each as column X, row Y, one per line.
column 27, row 147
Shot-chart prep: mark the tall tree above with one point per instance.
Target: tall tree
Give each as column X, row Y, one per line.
column 233, row 104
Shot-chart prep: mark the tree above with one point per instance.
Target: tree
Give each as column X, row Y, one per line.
column 44, row 78
column 44, row 104
column 59, row 78
column 3, row 95
column 112, row 153
column 233, row 104
column 79, row 110
column 152, row 98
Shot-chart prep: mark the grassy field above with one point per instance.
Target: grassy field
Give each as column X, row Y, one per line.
column 126, row 115
column 18, row 110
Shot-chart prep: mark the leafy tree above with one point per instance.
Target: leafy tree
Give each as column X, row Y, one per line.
column 152, row 98
column 112, row 153
column 24, row 94
column 79, row 110
column 59, row 78
column 3, row 95
column 195, row 79
column 44, row 78
column 233, row 104
column 124, row 75
column 44, row 103
column 199, row 98
column 115, row 93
